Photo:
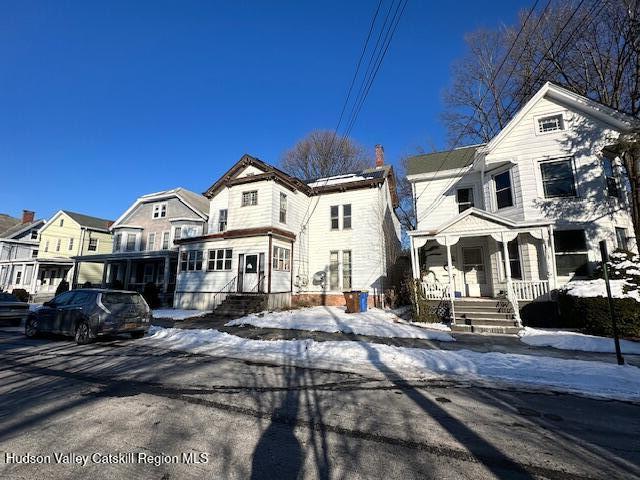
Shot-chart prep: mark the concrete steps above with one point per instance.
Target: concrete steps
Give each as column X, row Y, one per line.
column 484, row 316
column 239, row 305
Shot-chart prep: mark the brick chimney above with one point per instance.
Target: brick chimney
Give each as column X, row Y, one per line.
column 379, row 155
column 28, row 216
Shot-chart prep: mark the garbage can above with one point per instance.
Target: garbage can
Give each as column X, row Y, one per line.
column 364, row 301
column 352, row 299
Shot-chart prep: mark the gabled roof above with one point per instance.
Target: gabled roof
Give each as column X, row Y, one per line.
column 441, row 161
column 21, row 228
column 196, row 202
column 88, row 221
column 7, row 222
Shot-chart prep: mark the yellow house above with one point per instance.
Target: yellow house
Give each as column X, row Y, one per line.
column 66, row 235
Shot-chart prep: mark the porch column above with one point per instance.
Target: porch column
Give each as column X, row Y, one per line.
column 507, row 272
column 127, row 275
column 76, row 271
column 105, row 268
column 452, row 287
column 414, row 259
column 34, row 279
column 551, row 263
column 166, row 275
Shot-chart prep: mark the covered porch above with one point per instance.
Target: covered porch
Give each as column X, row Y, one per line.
column 134, row 270
column 465, row 258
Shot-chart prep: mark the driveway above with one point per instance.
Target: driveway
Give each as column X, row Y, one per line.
column 257, row 420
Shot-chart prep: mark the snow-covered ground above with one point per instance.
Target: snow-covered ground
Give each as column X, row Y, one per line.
column 575, row 341
column 597, row 288
column 374, row 322
column 597, row 379
column 177, row 314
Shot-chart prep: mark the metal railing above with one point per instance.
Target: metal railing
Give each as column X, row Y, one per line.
column 221, row 294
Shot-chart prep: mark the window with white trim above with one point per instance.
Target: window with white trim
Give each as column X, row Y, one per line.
column 46, row 246
column 58, row 242
column 191, row 260
column 177, row 233
column 283, row 208
column 62, row 222
column 34, row 234
column 220, row 259
column 70, row 246
column 222, row 220
column 117, row 242
column 335, row 219
column 621, row 238
column 249, row 198
column 151, row 241
column 93, row 244
column 130, row 245
column 464, row 196
column 513, row 250
column 281, row 259
column 346, row 269
column 551, row 123
column 334, row 276
column 34, row 253
column 504, row 195
column 159, row 210
column 346, row 216
column 610, row 178
column 571, row 252
column 165, row 240
column 558, row 179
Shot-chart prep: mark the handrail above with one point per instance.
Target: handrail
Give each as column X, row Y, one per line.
column 261, row 277
column 226, row 289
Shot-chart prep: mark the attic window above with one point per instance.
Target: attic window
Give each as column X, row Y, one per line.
column 553, row 123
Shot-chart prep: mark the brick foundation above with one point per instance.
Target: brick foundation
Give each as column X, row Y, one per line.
column 330, row 299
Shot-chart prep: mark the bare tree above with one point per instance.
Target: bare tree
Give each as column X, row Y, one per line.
column 323, row 154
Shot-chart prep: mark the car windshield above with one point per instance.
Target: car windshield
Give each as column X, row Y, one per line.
column 7, row 297
column 119, row 298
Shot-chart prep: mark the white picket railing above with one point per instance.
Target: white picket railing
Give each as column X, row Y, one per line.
column 531, row 289
column 433, row 290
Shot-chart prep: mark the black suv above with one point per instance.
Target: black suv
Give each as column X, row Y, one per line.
column 87, row 313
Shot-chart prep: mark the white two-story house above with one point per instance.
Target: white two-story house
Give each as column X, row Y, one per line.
column 292, row 241
column 143, row 241
column 523, row 214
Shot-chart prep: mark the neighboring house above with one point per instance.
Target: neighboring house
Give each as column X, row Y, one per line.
column 541, row 194
column 291, row 241
column 143, row 243
column 7, row 222
column 66, row 235
column 18, row 252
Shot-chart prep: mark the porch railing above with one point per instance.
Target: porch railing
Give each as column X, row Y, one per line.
column 531, row 289
column 221, row 294
column 433, row 290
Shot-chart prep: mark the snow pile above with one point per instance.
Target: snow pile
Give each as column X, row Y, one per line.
column 374, row 322
column 575, row 341
column 322, row 182
column 575, row 376
column 596, row 288
column 177, row 314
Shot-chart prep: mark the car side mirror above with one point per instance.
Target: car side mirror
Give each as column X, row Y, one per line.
column 49, row 304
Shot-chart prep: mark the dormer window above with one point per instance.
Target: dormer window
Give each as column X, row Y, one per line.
column 34, row 234
column 465, row 199
column 159, row 210
column 249, row 198
column 552, row 123
column 504, row 196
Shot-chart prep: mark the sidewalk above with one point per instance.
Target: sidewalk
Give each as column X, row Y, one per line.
column 481, row 343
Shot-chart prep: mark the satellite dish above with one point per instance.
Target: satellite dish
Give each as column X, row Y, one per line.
column 319, row 278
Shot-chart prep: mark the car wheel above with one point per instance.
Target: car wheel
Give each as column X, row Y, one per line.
column 83, row 334
column 136, row 335
column 31, row 327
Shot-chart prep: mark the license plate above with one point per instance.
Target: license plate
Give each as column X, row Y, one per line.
column 130, row 325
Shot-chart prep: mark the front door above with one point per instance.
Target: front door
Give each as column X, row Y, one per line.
column 474, row 272
column 250, row 281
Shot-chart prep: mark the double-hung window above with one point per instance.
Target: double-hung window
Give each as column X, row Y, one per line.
column 177, row 233
column 249, row 198
column 191, row 260
column 571, row 252
column 151, row 241
column 334, row 264
column 93, row 244
column 58, row 245
column 610, row 178
column 281, row 259
column 552, row 123
column 558, row 179
column 465, row 199
column 346, row 216
column 131, row 242
column 621, row 238
column 222, row 220
column 346, row 269
column 165, row 240
column 504, row 195
column 70, row 243
column 514, row 260
column 220, row 259
column 335, row 219
column 159, row 210
column 117, row 242
column 283, row 208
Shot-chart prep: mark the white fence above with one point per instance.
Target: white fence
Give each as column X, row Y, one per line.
column 531, row 289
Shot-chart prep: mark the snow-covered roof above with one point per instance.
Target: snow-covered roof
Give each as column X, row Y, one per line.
column 359, row 176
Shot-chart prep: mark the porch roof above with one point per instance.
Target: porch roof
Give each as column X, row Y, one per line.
column 120, row 256
column 474, row 222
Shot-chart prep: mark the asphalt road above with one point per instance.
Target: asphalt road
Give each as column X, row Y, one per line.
column 247, row 420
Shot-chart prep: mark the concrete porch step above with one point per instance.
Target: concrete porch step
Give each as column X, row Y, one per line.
column 497, row 322
column 485, row 329
column 485, row 314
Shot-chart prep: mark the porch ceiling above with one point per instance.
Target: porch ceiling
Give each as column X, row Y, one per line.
column 122, row 256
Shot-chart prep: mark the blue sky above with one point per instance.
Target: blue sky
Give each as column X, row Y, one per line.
column 104, row 101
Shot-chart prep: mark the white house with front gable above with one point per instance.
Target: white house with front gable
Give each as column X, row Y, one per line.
column 291, row 241
column 542, row 193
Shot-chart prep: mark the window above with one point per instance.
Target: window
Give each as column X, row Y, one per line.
column 346, row 269
column 514, row 260
column 222, row 220
column 333, row 271
column 46, row 246
column 148, row 273
column 71, row 243
column 165, row 240
column 191, row 260
column 18, row 277
column 335, row 221
column 283, row 208
column 281, row 259
column 151, row 241
column 117, row 242
column 550, row 124
column 571, row 252
column 34, row 253
column 131, row 242
column 58, row 242
column 502, row 182
column 220, row 259
column 249, row 198
column 159, row 210
column 93, row 244
column 465, row 199
column 62, row 222
column 621, row 238
column 177, row 233
column 34, row 234
column 610, row 177
column 346, row 216
column 557, row 178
